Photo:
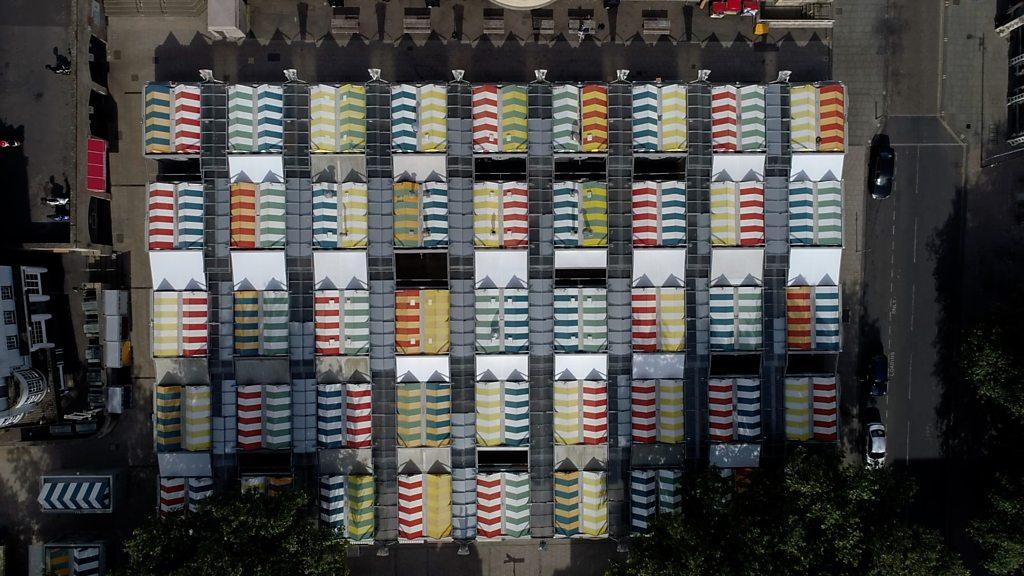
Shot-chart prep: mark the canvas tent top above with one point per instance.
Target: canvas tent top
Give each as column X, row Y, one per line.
column 581, row 258
column 256, row 168
column 737, row 167
column 176, row 270
column 816, row 167
column 258, row 270
column 186, row 464
column 339, row 270
column 419, row 167
column 502, row 367
column 737, row 266
column 422, row 368
column 500, row 268
column 814, row 266
column 581, row 366
column 657, row 267
column 650, row 366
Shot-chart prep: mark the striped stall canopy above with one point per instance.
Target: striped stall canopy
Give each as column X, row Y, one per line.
column 581, row 504
column 157, row 119
column 811, row 408
column 751, row 118
column 503, row 505
column 565, row 118
column 735, row 318
column 657, row 411
column 337, row 118
column 264, row 417
column 340, row 215
column 581, row 319
column 812, row 318
column 343, row 414
column 502, row 321
column 167, row 421
column 581, row 412
column 724, row 119
column 734, row 409
column 646, row 118
column 342, row 322
column 75, row 494
column 175, row 216
column 581, row 214
column 422, row 321
column 180, row 324
column 186, row 119
column 673, row 118
column 815, row 213
column 261, row 322
column 659, row 319
column 198, row 409
column 737, row 213
column 346, row 505
column 178, row 494
column 256, row 118
column 404, row 121
column 424, row 414
column 818, row 118
column 503, row 413
column 421, row 214
column 58, row 561
column 500, row 215
column 513, row 120
column 653, row 492
column 659, row 213
column 257, row 215
column 424, row 506
column 485, row 119
column 72, row 561
column 595, row 117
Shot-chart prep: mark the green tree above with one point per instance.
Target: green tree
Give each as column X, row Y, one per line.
column 240, row 534
column 999, row 531
column 992, row 365
column 813, row 515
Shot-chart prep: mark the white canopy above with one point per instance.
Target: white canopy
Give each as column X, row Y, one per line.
column 648, row 366
column 339, row 270
column 502, row 367
column 581, row 258
column 422, row 368
column 419, row 167
column 187, row 464
column 814, row 266
column 737, row 266
column 816, row 167
column 500, row 268
column 581, row 367
column 256, row 168
column 177, row 270
column 735, row 455
column 258, row 270
column 737, row 167
column 657, row 267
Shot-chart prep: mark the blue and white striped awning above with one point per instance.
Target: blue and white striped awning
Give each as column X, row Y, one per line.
column 75, row 493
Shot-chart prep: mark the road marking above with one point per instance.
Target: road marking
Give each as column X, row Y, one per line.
column 906, row 457
column 915, row 239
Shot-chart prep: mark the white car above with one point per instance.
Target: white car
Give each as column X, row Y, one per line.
column 875, row 443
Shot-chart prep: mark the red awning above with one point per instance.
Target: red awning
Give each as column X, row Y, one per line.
column 96, row 165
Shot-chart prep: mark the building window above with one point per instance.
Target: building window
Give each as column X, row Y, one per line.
column 12, row 342
column 7, row 292
column 32, row 283
column 8, row 316
column 36, row 333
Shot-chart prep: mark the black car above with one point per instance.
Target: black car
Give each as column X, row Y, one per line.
column 881, row 167
column 879, row 375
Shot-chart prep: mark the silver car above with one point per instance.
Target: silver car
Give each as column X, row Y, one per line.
column 875, row 444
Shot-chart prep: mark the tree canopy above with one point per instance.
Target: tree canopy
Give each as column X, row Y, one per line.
column 238, row 534
column 813, row 515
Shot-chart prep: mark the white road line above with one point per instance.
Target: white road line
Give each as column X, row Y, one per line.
column 915, row 239
column 906, row 457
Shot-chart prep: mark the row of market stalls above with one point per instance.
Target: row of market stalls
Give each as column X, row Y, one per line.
column 265, row 412
column 499, row 112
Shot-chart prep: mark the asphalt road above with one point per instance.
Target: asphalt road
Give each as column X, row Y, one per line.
column 911, row 269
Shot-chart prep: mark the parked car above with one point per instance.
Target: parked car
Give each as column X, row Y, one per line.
column 881, row 167
column 879, row 375
column 874, row 437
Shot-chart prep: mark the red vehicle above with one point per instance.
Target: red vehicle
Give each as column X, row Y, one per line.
column 721, row 8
